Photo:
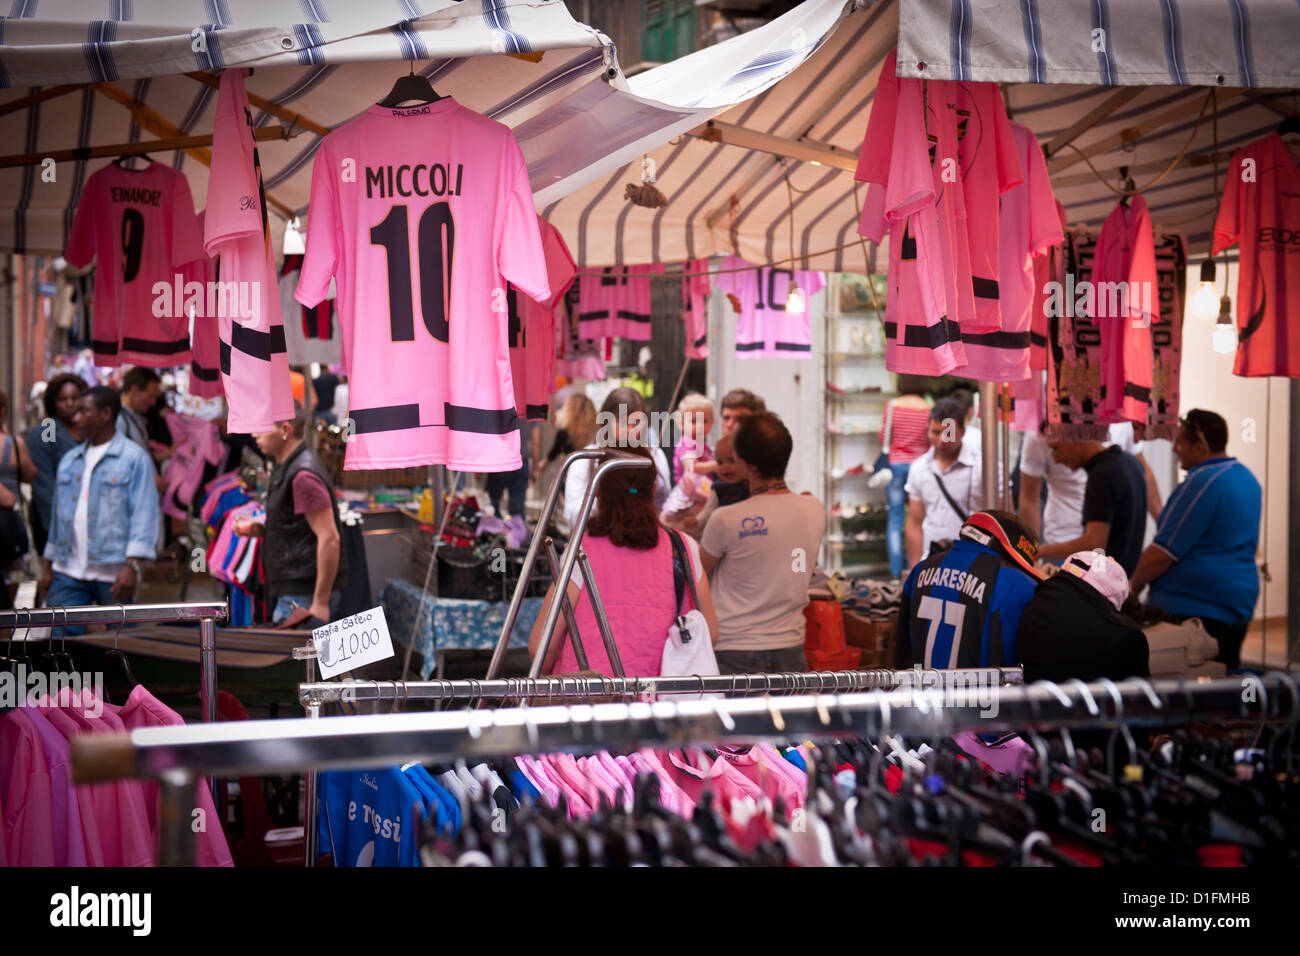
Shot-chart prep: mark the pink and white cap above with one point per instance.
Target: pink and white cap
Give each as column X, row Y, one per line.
column 1103, row 572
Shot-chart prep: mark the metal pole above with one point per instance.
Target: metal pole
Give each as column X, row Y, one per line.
column 570, row 621
column 530, row 559
column 988, row 445
column 208, row 678
column 1004, row 433
column 175, row 835
column 192, row 612
column 313, row 781
column 602, row 621
column 571, row 553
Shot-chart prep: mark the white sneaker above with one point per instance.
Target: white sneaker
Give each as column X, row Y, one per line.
column 880, row 479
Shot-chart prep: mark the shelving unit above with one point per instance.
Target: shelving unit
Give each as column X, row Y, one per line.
column 854, row 358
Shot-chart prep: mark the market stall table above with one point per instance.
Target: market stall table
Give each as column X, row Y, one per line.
column 449, row 623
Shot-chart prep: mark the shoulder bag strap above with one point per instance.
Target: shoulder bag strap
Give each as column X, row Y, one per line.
column 682, row 569
column 888, row 436
column 952, row 501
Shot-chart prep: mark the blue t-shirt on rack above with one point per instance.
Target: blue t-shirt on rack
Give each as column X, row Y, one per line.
column 441, row 804
column 370, row 818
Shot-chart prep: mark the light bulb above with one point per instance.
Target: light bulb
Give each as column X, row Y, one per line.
column 1224, row 338
column 1205, row 304
column 794, row 301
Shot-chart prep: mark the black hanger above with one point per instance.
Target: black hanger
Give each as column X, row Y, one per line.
column 413, row 86
column 1130, row 187
column 121, row 161
column 115, row 655
column 1289, row 125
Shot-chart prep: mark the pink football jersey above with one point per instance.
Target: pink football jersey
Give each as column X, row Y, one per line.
column 764, row 327
column 1262, row 212
column 254, row 363
column 696, row 285
column 532, row 329
column 616, row 303
column 422, row 215
column 205, row 368
column 139, row 226
column 1029, row 227
column 1126, row 259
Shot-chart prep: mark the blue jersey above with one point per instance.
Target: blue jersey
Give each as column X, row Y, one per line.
column 961, row 609
column 370, row 818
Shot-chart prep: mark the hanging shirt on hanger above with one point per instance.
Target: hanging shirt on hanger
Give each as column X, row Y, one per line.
column 1167, row 337
column 577, row 357
column 532, row 329
column 616, row 303
column 205, row 340
column 437, row 219
column 368, row 818
column 1029, row 228
column 254, row 364
column 765, row 327
column 139, row 227
column 1126, row 262
column 1262, row 214
column 695, row 307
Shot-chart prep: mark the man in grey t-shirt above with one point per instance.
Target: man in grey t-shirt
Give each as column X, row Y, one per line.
column 759, row 554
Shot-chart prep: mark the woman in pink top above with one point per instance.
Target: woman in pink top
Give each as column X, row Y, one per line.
column 632, row 560
column 905, row 437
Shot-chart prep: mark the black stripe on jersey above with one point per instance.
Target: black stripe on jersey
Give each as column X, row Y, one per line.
column 984, row 288
column 1137, row 391
column 225, row 357
column 997, row 340
column 931, row 336
column 701, row 340
column 260, row 345
column 385, row 418
column 633, row 316
column 907, row 249
column 536, row 413
column 597, row 314
column 154, row 347
column 749, row 346
column 483, row 421
column 103, row 347
column 1038, row 341
column 203, row 374
column 791, row 347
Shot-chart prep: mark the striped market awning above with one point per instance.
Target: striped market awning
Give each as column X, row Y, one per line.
column 752, row 141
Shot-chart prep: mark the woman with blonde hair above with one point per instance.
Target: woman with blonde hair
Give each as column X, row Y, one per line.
column 576, row 428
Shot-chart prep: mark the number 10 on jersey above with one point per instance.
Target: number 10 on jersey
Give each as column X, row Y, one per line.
column 435, row 242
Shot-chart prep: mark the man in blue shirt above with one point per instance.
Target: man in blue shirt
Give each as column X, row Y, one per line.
column 1202, row 561
column 962, row 607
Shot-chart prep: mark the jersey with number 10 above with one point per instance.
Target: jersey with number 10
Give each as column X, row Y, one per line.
column 422, row 215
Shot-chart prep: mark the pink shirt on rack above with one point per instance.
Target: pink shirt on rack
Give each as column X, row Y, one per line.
column 756, row 767
column 26, row 794
column 65, row 813
column 143, row 709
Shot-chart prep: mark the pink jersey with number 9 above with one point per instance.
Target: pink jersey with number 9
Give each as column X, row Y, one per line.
column 422, row 215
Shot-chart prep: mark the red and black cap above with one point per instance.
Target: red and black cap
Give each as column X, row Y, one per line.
column 1002, row 531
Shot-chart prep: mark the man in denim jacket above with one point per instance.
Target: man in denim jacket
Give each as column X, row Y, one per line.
column 105, row 512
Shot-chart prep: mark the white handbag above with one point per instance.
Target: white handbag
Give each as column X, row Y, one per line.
column 688, row 650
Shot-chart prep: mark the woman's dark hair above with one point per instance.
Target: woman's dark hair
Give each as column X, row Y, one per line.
column 625, row 504
column 56, row 385
column 912, row 384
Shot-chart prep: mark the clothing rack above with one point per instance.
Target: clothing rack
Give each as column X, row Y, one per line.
column 206, row 613
column 174, row 755
column 314, row 694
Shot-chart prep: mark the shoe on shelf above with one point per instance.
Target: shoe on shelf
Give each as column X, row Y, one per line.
column 834, row 429
column 832, row 387
column 859, row 469
column 835, row 510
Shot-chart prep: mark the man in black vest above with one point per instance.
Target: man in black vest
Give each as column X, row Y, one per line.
column 301, row 554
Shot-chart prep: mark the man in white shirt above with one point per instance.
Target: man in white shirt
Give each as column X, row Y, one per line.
column 944, row 486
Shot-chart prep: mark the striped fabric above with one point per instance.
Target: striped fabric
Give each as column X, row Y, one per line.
column 1229, row 43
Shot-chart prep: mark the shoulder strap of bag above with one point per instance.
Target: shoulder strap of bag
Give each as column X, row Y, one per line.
column 952, row 501
column 682, row 576
column 889, row 428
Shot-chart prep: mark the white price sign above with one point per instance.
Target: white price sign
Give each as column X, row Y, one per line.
column 352, row 642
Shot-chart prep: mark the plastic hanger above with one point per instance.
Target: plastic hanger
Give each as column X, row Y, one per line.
column 413, row 86
column 121, row 161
